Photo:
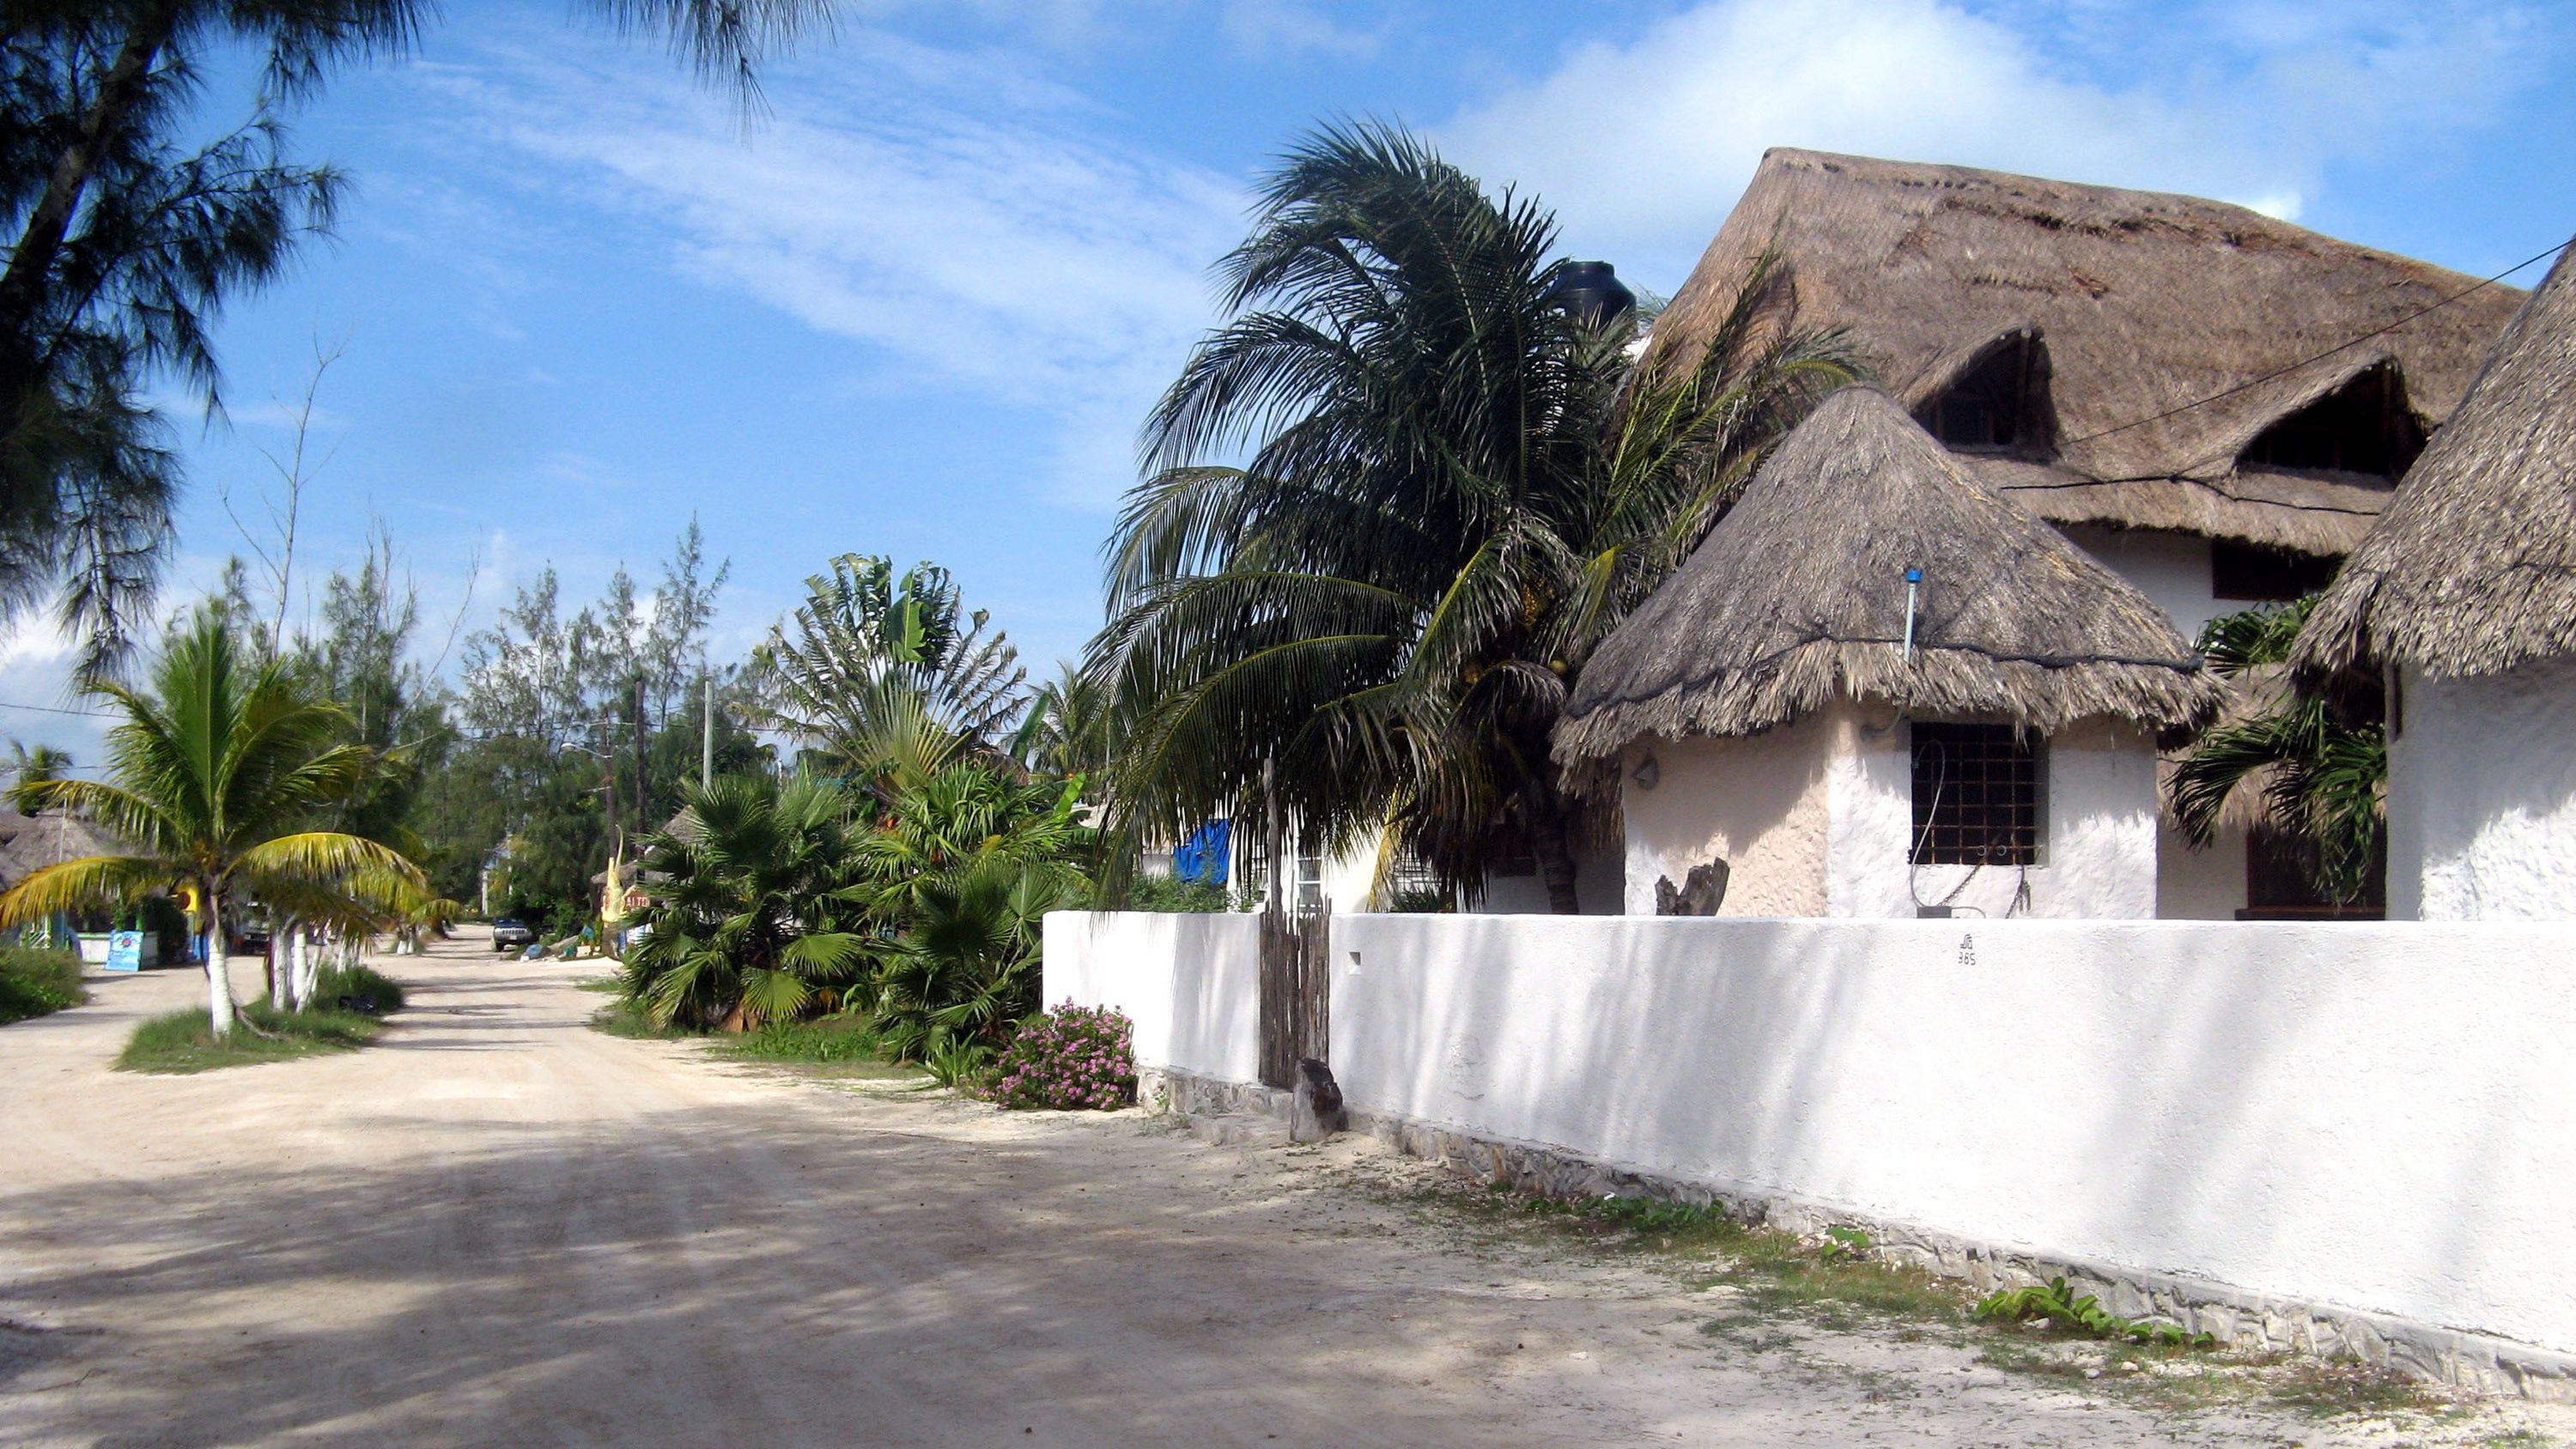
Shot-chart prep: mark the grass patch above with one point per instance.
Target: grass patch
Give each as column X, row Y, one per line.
column 38, row 983
column 1832, row 1284
column 181, row 1042
column 831, row 1046
column 626, row 1018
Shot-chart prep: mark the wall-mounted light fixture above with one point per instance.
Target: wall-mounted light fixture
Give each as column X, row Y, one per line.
column 1647, row 774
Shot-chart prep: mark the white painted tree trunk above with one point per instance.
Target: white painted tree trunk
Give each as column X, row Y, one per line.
column 281, row 953
column 308, row 963
column 219, row 972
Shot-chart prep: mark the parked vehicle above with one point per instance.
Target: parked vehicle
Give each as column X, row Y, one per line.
column 511, row 934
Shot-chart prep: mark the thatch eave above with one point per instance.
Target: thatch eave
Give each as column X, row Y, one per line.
column 1797, row 598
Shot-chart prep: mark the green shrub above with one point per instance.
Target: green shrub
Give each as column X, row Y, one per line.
column 35, row 982
column 1069, row 1058
column 1170, row 893
column 824, row 1039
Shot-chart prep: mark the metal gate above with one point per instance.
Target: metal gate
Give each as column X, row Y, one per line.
column 1296, row 987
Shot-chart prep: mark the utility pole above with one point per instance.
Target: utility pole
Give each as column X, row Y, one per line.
column 608, row 772
column 707, row 735
column 643, row 791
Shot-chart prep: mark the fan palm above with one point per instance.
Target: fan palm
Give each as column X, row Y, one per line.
column 214, row 775
column 746, row 927
column 889, row 677
column 1455, row 487
column 2317, row 754
column 955, row 883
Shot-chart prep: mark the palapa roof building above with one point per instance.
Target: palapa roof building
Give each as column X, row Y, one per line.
column 30, row 843
column 1798, row 596
column 2473, row 570
column 2052, row 330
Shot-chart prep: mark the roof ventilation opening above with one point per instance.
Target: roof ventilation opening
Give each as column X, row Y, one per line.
column 1998, row 403
column 2363, row 426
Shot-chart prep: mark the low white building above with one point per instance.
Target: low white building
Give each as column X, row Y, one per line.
column 2128, row 366
column 2464, row 594
column 1880, row 688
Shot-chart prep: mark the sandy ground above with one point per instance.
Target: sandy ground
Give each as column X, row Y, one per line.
column 498, row 1227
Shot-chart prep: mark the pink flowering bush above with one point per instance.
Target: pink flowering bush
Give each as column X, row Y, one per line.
column 1070, row 1058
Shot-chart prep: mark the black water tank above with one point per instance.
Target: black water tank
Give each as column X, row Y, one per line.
column 1590, row 292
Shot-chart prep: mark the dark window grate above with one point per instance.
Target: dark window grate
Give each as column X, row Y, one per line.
column 1976, row 795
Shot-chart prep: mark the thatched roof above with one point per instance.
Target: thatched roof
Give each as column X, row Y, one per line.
column 29, row 844
column 2143, row 302
column 2473, row 570
column 1798, row 595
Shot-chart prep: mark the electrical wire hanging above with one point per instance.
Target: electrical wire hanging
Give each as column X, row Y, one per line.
column 2280, row 372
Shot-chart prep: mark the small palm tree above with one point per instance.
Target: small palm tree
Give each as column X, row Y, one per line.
column 955, row 884
column 214, row 775
column 30, row 768
column 2319, row 757
column 747, row 927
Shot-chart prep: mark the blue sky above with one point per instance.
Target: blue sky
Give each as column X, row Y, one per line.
column 920, row 308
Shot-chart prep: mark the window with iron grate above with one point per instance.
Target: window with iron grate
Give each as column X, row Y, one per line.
column 1976, row 795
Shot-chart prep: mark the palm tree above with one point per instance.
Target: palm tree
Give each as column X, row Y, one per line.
column 889, row 677
column 214, row 776
column 2314, row 749
column 124, row 241
column 1456, row 486
column 747, row 928
column 955, row 884
column 29, row 768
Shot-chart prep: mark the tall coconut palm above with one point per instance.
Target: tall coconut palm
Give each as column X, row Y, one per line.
column 214, row 776
column 1455, row 487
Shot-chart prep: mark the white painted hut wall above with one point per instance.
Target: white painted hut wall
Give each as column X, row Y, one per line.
column 1756, row 801
column 2377, row 1116
column 2482, row 797
column 2100, row 828
column 2172, row 569
column 1189, row 980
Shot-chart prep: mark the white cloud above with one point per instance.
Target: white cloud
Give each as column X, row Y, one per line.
column 1642, row 147
column 1264, row 28
column 947, row 208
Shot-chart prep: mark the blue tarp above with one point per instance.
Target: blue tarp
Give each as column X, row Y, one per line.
column 1204, row 856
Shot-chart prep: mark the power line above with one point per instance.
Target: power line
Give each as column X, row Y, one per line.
column 54, row 709
column 2329, row 352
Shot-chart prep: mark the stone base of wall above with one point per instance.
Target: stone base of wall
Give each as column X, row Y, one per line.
column 2249, row 1321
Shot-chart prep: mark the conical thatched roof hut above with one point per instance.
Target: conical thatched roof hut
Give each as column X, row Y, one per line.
column 30, row 843
column 2114, row 308
column 1798, row 597
column 2473, row 570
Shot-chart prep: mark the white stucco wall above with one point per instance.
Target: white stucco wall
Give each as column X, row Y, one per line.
column 2171, row 569
column 1190, row 981
column 1817, row 818
column 1758, row 802
column 2099, row 799
column 2375, row 1116
column 2482, row 797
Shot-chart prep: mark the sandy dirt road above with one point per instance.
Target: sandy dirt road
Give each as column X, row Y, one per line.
column 500, row 1228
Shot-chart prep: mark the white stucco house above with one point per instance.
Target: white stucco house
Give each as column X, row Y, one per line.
column 2464, row 597
column 2119, row 364
column 1880, row 688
